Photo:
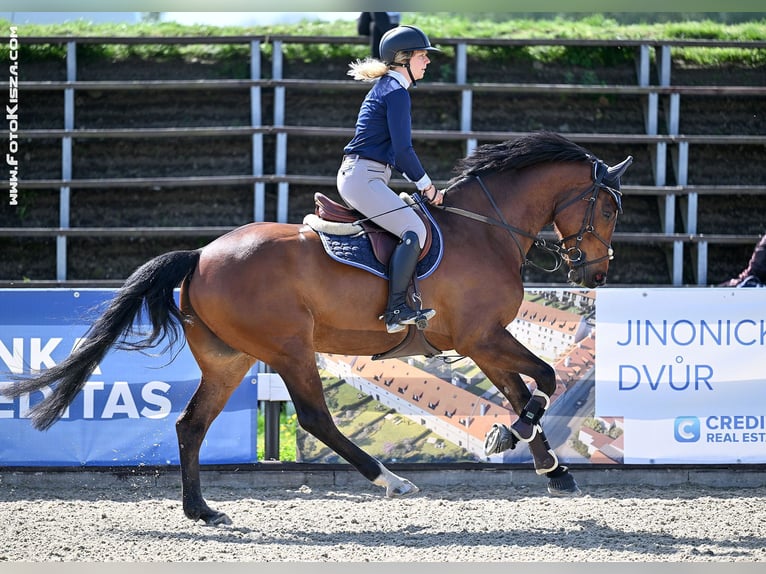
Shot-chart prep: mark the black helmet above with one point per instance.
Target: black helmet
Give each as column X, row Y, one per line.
column 403, row 38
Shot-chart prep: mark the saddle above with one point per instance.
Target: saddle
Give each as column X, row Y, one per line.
column 383, row 242
column 331, row 217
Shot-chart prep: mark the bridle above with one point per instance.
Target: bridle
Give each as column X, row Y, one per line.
column 574, row 255
column 571, row 255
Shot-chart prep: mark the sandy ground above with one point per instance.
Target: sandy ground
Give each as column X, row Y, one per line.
column 441, row 523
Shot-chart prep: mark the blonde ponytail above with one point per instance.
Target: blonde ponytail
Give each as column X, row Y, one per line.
column 370, row 69
column 367, row 70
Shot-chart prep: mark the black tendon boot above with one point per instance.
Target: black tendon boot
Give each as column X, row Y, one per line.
column 525, row 428
column 401, row 267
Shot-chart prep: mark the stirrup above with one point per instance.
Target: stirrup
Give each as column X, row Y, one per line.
column 398, row 319
column 395, row 327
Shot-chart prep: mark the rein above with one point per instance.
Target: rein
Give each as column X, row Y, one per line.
column 572, row 255
column 513, row 231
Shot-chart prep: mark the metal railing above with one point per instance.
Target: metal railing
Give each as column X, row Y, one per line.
column 671, row 145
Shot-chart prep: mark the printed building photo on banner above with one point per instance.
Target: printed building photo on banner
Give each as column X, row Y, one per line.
column 419, row 409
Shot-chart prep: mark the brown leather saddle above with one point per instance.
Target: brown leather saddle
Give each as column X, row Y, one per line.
column 383, row 244
column 382, row 241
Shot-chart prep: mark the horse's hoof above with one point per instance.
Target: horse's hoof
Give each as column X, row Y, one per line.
column 406, row 488
column 218, row 519
column 564, row 486
column 499, row 439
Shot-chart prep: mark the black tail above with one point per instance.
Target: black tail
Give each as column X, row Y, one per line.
column 152, row 285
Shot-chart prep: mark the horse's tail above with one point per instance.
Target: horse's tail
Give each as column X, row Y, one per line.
column 151, row 285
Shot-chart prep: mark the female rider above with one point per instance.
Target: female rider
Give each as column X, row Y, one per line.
column 382, row 141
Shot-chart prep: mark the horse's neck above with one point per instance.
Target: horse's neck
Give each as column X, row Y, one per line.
column 515, row 202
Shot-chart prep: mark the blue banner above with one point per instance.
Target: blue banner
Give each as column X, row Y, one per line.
column 126, row 414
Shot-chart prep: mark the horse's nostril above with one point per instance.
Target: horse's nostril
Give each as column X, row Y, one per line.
column 600, row 278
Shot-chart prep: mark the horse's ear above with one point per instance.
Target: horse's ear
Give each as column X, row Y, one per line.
column 615, row 172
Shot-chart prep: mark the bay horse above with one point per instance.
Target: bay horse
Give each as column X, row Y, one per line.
column 268, row 292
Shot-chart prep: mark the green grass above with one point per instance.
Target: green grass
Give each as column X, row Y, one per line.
column 437, row 25
column 288, row 423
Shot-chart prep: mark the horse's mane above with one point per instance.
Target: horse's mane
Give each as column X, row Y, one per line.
column 524, row 151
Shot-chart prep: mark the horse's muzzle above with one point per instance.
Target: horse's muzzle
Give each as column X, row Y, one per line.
column 579, row 276
column 599, row 279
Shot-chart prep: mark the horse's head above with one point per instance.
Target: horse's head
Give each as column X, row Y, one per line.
column 584, row 214
column 587, row 223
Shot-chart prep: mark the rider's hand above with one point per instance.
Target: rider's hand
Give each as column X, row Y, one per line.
column 433, row 196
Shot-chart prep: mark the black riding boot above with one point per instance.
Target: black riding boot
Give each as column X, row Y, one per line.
column 401, row 268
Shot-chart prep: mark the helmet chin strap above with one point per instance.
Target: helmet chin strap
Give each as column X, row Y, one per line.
column 409, row 71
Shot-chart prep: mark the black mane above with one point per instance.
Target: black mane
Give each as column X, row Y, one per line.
column 524, row 151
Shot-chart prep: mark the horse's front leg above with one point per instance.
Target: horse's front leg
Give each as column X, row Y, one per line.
column 501, row 438
column 502, row 364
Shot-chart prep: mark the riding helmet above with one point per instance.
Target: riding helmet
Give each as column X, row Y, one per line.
column 403, row 38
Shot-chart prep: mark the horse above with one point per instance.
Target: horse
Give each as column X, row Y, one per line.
column 268, row 292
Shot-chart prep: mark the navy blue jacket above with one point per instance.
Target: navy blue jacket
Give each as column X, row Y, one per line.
column 384, row 129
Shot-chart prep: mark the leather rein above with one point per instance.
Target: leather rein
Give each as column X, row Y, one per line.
column 572, row 255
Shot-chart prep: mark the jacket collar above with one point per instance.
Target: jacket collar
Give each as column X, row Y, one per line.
column 399, row 78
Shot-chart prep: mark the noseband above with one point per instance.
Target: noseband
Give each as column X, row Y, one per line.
column 572, row 255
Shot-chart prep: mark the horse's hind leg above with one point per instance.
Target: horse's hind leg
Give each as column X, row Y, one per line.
column 302, row 379
column 223, row 369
